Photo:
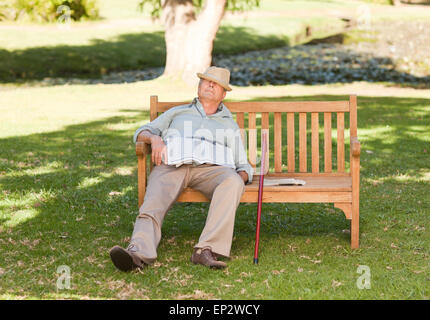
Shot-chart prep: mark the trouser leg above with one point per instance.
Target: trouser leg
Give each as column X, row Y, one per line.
column 225, row 188
column 165, row 184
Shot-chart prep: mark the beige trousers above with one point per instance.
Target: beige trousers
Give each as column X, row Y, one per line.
column 222, row 185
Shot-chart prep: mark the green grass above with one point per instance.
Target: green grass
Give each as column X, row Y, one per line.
column 68, row 194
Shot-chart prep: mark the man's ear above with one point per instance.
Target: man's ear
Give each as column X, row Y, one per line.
column 225, row 93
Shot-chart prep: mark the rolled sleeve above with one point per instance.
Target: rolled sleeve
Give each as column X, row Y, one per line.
column 240, row 156
column 156, row 126
column 248, row 170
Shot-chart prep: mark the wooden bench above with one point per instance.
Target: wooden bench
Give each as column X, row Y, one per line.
column 292, row 121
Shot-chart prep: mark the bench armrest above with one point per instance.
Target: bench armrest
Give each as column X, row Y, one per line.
column 142, row 148
column 355, row 147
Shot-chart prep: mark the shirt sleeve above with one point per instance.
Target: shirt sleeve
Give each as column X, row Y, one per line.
column 158, row 125
column 239, row 154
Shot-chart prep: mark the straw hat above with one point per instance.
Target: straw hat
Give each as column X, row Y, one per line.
column 218, row 75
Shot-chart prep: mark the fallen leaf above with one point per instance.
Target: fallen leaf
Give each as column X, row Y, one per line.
column 292, row 248
column 277, row 272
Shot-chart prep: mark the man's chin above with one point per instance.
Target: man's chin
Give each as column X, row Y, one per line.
column 208, row 97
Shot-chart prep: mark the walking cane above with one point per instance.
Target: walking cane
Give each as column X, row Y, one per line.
column 260, row 195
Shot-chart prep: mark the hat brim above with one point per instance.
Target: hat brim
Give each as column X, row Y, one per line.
column 208, row 77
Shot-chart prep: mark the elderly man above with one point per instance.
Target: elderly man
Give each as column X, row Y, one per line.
column 196, row 145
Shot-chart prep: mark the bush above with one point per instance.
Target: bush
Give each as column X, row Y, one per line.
column 48, row 10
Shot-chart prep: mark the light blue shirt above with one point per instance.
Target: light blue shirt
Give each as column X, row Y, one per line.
column 191, row 121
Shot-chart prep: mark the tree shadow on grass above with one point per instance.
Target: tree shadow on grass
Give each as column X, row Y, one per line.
column 127, row 51
column 81, row 182
column 133, row 51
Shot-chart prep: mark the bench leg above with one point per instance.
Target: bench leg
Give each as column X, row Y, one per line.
column 355, row 222
column 348, row 210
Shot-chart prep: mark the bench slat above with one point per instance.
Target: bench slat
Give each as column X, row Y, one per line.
column 252, row 139
column 315, row 143
column 290, row 142
column 327, row 142
column 274, row 106
column 340, row 142
column 265, row 128
column 278, row 141
column 279, row 197
column 302, row 143
column 240, row 119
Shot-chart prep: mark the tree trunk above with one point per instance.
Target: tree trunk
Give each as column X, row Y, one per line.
column 189, row 40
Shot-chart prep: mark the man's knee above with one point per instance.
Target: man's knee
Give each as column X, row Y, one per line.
column 234, row 182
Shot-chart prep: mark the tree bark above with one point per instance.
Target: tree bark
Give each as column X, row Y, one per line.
column 189, row 39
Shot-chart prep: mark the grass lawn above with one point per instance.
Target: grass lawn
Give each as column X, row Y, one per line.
column 68, row 194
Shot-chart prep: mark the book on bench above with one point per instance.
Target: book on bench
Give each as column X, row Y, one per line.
column 284, row 182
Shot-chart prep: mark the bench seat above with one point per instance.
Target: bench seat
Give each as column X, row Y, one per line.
column 317, row 189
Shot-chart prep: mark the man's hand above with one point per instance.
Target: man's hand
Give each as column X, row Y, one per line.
column 159, row 150
column 244, row 176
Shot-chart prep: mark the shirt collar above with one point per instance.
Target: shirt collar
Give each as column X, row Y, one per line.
column 222, row 110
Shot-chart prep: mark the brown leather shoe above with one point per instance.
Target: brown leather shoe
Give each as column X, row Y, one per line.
column 125, row 260
column 204, row 256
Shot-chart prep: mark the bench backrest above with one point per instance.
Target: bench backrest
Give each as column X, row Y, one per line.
column 291, row 122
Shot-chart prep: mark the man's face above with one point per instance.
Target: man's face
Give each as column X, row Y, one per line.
column 210, row 90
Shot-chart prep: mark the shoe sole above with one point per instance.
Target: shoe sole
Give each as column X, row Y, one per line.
column 122, row 259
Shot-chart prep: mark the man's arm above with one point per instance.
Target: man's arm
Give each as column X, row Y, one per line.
column 159, row 149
